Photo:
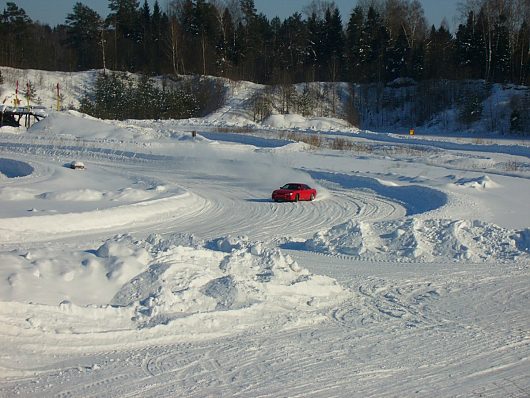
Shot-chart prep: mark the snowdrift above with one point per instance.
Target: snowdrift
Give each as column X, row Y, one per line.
column 423, row 241
column 160, row 280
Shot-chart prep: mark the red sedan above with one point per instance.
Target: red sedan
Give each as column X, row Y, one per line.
column 293, row 192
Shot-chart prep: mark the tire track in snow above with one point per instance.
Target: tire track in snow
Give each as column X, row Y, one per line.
column 264, row 219
column 217, row 211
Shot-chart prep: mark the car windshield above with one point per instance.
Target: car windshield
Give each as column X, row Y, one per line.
column 291, row 186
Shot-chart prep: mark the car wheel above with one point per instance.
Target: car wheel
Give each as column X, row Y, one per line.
column 297, row 198
column 312, row 197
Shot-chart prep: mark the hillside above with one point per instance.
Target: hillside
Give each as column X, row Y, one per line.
column 434, row 108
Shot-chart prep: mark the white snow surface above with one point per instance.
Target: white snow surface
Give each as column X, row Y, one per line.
column 164, row 269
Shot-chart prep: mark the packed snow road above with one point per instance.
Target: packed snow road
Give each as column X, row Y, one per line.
column 164, row 269
column 175, row 195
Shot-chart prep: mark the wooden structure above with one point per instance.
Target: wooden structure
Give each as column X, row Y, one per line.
column 12, row 116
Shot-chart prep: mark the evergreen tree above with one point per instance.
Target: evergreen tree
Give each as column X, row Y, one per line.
column 353, row 44
column 145, row 41
column 116, row 96
column 248, row 10
column 109, row 100
column 84, row 27
column 398, row 58
column 226, row 46
column 158, row 27
column 126, row 14
column 254, row 38
column 29, row 92
column 439, row 54
column 333, row 43
column 416, row 65
column 501, row 57
column 16, row 30
column 469, row 45
column 374, row 42
column 291, row 41
column 522, row 55
column 202, row 33
column 125, row 19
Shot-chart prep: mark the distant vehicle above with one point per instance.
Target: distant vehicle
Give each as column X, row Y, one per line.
column 77, row 165
column 293, row 192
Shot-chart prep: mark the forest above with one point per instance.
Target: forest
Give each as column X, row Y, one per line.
column 380, row 41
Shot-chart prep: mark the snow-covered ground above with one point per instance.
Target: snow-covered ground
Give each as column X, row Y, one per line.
column 163, row 268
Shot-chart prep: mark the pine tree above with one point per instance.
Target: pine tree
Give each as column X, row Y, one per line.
column 254, row 38
column 501, row 57
column 522, row 55
column 126, row 13
column 144, row 40
column 439, row 54
column 16, row 27
column 333, row 43
column 470, row 49
column 125, row 18
column 226, row 46
column 398, row 58
column 29, row 92
column 374, row 42
column 156, row 45
column 416, row 64
column 84, row 28
column 353, row 44
column 249, row 11
column 291, row 40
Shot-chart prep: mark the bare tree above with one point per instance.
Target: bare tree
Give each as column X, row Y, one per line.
column 174, row 35
column 416, row 24
column 395, row 15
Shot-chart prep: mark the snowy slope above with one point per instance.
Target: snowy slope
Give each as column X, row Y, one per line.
column 164, row 269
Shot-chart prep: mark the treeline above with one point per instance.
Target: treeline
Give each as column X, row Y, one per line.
column 380, row 41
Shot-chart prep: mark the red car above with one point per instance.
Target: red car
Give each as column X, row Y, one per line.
column 293, row 192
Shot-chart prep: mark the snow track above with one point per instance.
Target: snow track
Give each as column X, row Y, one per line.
column 164, row 270
column 230, row 215
column 208, row 210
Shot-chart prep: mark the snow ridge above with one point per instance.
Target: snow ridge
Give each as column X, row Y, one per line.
column 241, row 274
column 429, row 240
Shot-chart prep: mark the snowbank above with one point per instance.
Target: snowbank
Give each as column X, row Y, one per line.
column 423, row 241
column 77, row 125
column 294, row 121
column 483, row 182
column 158, row 280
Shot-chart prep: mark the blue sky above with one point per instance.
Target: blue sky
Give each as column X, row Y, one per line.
column 54, row 12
